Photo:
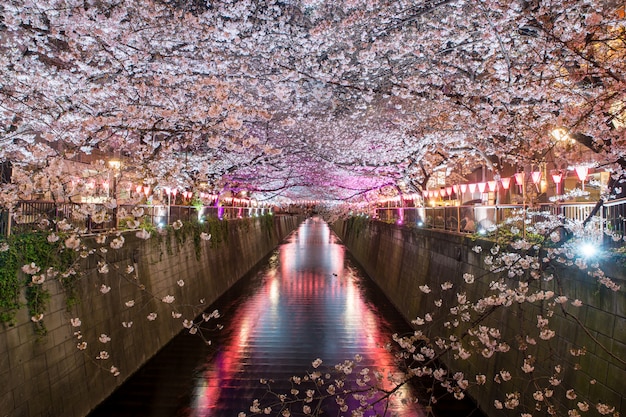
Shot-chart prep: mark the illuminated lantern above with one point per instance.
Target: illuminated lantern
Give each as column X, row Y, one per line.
column 536, row 177
column 449, row 190
column 472, row 188
column 482, row 186
column 557, row 178
column 138, row 188
column 463, row 188
column 506, row 182
column 519, row 178
column 582, row 172
column 455, row 188
column 146, row 190
column 492, row 185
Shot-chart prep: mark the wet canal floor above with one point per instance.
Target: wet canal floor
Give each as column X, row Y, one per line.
column 308, row 300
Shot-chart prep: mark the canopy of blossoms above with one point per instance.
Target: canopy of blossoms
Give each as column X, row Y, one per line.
column 305, row 99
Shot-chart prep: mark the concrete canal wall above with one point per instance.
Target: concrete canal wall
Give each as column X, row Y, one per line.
column 402, row 259
column 49, row 376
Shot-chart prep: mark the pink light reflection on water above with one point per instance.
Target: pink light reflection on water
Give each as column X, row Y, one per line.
column 309, row 305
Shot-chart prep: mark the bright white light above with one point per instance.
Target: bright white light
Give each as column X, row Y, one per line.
column 588, row 249
column 420, row 224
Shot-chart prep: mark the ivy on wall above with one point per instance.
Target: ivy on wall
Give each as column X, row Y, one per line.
column 49, row 258
column 27, row 260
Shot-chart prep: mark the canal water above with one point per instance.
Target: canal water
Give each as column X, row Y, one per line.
column 308, row 301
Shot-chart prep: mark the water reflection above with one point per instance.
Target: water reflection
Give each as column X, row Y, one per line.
column 307, row 305
column 308, row 302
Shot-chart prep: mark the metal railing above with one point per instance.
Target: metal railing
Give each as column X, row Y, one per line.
column 29, row 216
column 476, row 218
column 42, row 215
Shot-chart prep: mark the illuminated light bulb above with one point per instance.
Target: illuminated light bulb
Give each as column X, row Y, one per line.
column 588, row 249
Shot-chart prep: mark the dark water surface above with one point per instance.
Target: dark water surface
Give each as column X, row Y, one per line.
column 308, row 301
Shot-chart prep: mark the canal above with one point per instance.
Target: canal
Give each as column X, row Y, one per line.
column 309, row 300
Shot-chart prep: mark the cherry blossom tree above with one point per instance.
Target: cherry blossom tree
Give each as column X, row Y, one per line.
column 379, row 91
column 313, row 100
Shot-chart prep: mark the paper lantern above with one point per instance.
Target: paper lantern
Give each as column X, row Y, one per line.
column 506, row 182
column 519, row 178
column 536, row 177
column 557, row 178
column 482, row 186
column 463, row 188
column 472, row 188
column 492, row 185
column 582, row 172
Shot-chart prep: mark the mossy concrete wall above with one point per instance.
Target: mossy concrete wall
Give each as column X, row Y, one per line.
column 400, row 259
column 48, row 376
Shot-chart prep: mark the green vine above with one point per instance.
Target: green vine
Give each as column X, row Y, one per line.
column 32, row 248
column 357, row 224
column 197, row 229
column 218, row 230
column 55, row 262
column 10, row 285
column 267, row 223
